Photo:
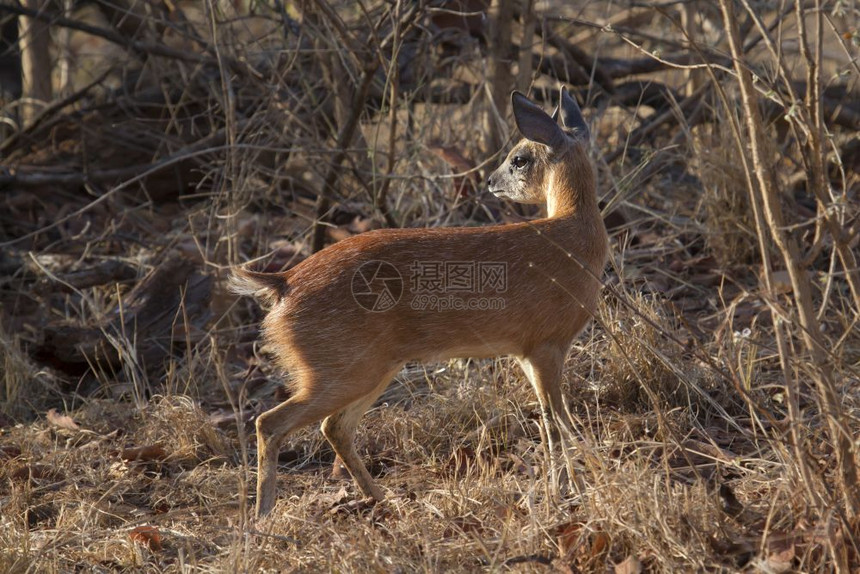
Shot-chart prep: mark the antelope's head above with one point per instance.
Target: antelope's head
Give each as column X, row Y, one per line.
column 525, row 174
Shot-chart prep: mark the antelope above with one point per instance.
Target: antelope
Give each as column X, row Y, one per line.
column 342, row 324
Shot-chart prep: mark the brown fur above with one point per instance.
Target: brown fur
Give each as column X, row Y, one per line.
column 341, row 356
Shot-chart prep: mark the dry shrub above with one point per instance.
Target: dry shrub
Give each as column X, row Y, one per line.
column 16, row 369
column 729, row 224
column 25, row 388
column 645, row 369
column 673, row 523
column 180, row 425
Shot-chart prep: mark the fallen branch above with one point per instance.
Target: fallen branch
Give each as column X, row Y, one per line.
column 142, row 328
column 109, row 35
column 49, row 111
column 668, row 117
column 36, row 176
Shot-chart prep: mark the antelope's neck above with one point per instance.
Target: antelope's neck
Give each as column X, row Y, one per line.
column 571, row 190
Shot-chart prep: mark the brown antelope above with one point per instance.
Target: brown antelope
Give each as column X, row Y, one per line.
column 345, row 321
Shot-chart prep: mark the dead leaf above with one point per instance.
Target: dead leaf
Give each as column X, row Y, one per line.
column 464, row 524
column 465, row 184
column 583, row 545
column 502, row 511
column 62, row 421
column 36, row 472
column 331, row 500
column 569, row 536
column 781, row 281
column 780, row 556
column 226, row 419
column 730, row 503
column 148, row 536
column 516, row 464
column 353, row 506
column 9, row 452
column 599, row 544
column 630, row 565
column 339, row 470
column 150, row 453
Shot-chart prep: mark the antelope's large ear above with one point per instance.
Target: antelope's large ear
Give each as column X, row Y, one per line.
column 571, row 115
column 535, row 124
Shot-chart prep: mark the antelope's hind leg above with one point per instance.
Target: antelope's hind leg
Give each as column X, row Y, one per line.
column 339, row 430
column 272, row 427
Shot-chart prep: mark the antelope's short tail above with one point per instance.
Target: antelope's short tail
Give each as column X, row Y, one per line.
column 268, row 287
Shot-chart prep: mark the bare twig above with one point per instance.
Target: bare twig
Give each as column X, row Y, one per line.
column 667, row 117
column 323, row 202
column 393, row 76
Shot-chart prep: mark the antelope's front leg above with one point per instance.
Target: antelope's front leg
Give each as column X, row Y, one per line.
column 543, row 367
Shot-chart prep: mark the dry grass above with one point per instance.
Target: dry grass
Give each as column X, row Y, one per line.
column 685, row 446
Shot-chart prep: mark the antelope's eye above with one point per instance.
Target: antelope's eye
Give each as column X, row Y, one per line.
column 520, row 161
